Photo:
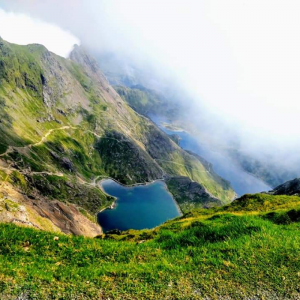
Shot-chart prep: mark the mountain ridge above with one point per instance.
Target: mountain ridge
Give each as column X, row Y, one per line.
column 63, row 125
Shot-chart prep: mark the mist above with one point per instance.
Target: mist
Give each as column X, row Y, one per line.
column 235, row 63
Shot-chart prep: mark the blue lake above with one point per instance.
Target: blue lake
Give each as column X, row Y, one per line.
column 241, row 181
column 137, row 207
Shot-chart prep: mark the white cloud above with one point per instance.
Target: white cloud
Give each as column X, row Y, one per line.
column 21, row 29
column 238, row 58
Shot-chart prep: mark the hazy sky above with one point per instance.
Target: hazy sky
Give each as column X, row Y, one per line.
column 238, row 58
column 21, row 29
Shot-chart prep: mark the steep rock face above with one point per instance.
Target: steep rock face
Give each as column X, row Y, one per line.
column 63, row 126
column 43, row 214
column 66, row 217
column 289, row 188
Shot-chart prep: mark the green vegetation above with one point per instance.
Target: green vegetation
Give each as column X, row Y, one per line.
column 234, row 252
column 146, row 101
column 120, row 156
column 143, row 101
column 62, row 127
column 75, row 134
column 191, row 167
column 83, row 79
column 183, row 190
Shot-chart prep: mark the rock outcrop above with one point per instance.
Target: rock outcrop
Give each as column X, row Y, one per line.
column 289, row 188
column 43, row 214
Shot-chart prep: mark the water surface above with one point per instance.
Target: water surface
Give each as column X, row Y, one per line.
column 137, row 207
column 241, row 181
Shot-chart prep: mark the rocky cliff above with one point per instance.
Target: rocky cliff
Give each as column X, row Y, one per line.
column 289, row 188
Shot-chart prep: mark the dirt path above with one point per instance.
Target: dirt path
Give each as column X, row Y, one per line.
column 47, row 134
column 11, row 149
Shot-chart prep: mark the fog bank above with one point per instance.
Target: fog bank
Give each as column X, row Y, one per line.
column 237, row 61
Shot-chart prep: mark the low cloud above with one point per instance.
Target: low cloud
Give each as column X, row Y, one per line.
column 237, row 60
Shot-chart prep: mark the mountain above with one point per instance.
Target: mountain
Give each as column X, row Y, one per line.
column 123, row 70
column 248, row 249
column 273, row 173
column 291, row 187
column 147, row 102
column 62, row 129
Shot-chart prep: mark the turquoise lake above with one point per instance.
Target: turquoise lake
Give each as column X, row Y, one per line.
column 137, row 207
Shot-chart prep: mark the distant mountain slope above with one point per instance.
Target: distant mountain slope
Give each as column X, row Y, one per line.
column 290, row 188
column 273, row 174
column 62, row 128
column 146, row 101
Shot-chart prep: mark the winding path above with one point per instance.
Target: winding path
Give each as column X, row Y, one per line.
column 48, row 133
column 11, row 149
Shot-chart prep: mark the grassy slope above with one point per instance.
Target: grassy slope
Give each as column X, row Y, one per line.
column 144, row 101
column 22, row 96
column 147, row 101
column 91, row 110
column 247, row 249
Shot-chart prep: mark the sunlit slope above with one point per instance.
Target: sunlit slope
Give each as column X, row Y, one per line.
column 63, row 127
column 246, row 250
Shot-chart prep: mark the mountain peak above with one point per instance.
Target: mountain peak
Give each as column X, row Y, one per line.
column 81, row 56
column 291, row 187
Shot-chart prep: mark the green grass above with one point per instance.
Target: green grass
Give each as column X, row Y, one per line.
column 214, row 254
column 82, row 78
column 141, row 101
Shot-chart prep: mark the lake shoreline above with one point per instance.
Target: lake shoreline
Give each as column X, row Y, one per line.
column 113, row 205
column 156, row 213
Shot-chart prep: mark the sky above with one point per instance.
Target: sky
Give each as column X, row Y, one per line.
column 21, row 29
column 237, row 59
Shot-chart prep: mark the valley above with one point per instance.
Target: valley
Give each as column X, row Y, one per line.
column 99, row 201
column 241, row 181
column 63, row 126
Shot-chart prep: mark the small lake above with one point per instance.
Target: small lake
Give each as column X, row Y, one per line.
column 137, row 207
column 241, row 181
